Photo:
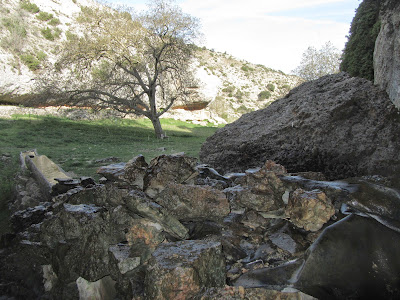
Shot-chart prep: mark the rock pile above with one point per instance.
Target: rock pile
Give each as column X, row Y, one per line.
column 174, row 229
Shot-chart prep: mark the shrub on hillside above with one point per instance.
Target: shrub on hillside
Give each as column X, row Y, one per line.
column 13, row 42
column 246, row 68
column 44, row 16
column 48, row 35
column 264, row 95
column 28, row 6
column 229, row 89
column 54, row 22
column 14, row 26
column 30, row 61
column 271, row 87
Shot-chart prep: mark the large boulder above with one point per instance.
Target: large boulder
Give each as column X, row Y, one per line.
column 338, row 125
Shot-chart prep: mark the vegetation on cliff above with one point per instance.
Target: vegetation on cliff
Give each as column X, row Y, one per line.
column 358, row 54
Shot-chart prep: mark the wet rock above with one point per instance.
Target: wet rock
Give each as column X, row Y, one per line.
column 85, row 232
column 355, row 258
column 22, row 219
column 127, row 270
column 376, row 199
column 276, row 277
column 140, row 204
column 50, row 278
column 283, row 241
column 193, row 203
column 121, row 257
column 239, row 293
column 206, row 171
column 135, row 170
column 260, row 189
column 179, row 270
column 309, row 209
column 338, row 125
column 101, row 289
column 166, row 169
column 126, row 174
column 21, row 272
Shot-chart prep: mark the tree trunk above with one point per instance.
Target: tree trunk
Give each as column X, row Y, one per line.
column 157, row 127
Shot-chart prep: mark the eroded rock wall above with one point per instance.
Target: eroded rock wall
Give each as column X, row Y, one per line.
column 387, row 51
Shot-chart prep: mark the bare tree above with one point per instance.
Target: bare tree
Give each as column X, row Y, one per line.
column 134, row 63
column 317, row 63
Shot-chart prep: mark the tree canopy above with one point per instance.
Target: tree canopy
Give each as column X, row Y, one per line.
column 317, row 63
column 133, row 63
column 358, row 55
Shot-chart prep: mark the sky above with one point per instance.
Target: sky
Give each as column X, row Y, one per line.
column 274, row 33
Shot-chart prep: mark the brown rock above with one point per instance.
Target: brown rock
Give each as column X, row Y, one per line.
column 179, row 270
column 309, row 209
column 194, row 203
column 167, row 169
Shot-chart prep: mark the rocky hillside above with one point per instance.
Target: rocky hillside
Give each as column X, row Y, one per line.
column 30, row 36
column 31, row 33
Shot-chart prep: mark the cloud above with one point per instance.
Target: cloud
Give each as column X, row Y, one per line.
column 259, row 31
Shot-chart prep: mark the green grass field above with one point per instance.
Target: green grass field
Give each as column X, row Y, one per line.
column 76, row 145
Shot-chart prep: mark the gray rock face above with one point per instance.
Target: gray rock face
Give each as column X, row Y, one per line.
column 166, row 169
column 194, row 203
column 387, row 49
column 179, row 270
column 337, row 125
column 350, row 260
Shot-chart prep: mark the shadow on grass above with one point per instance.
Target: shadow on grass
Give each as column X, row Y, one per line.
column 76, row 145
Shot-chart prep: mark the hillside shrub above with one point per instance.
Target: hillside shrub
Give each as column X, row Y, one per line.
column 54, row 22
column 239, row 95
column 41, row 56
column 264, row 95
column 14, row 26
column 229, row 89
column 15, row 41
column 28, row 6
column 271, row 87
column 246, row 68
column 47, row 33
column 44, row 16
column 357, row 58
column 30, row 61
column 243, row 110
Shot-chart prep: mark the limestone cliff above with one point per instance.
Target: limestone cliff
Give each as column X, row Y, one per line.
column 387, row 51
